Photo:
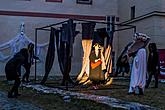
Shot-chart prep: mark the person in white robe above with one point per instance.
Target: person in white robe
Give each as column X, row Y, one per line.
column 138, row 73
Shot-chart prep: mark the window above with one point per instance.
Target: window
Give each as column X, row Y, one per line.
column 53, row 0
column 132, row 12
column 84, row 2
column 24, row 0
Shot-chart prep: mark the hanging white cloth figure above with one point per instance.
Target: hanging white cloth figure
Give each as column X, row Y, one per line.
column 138, row 73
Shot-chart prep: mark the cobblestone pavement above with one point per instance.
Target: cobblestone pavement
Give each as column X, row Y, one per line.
column 14, row 104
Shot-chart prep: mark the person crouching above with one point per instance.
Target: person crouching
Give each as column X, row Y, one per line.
column 12, row 71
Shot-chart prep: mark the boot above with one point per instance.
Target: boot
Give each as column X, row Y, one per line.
column 137, row 91
column 16, row 94
column 156, row 86
column 140, row 91
column 10, row 95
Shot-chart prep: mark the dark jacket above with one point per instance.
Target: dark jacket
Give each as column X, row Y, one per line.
column 153, row 63
column 13, row 66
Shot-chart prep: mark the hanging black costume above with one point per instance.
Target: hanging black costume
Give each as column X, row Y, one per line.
column 50, row 55
column 87, row 35
column 64, row 43
column 99, row 36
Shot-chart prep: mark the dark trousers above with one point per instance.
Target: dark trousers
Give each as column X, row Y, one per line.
column 14, row 90
column 150, row 77
column 27, row 73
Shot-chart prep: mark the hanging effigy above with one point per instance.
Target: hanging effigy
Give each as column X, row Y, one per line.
column 50, row 55
column 64, row 43
column 87, row 34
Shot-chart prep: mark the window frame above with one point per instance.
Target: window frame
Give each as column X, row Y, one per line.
column 89, row 2
column 132, row 12
column 54, row 1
